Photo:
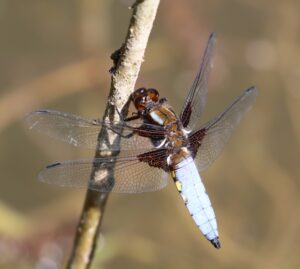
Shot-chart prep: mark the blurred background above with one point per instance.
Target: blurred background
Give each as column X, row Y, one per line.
column 56, row 54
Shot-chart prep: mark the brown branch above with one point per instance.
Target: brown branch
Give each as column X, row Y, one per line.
column 125, row 72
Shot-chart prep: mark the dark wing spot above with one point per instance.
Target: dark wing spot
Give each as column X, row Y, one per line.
column 43, row 111
column 53, row 165
column 156, row 158
column 195, row 141
column 186, row 115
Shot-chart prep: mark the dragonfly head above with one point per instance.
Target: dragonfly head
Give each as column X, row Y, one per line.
column 142, row 97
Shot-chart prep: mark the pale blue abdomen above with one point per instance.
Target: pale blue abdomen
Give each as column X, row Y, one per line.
column 192, row 190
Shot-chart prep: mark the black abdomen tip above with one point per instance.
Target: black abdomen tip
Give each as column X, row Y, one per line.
column 216, row 243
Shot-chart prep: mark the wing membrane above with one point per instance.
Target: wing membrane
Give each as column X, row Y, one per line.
column 215, row 134
column 196, row 99
column 130, row 175
column 82, row 132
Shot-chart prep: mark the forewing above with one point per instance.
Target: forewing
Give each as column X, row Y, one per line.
column 130, row 175
column 207, row 143
column 82, row 132
column 196, row 99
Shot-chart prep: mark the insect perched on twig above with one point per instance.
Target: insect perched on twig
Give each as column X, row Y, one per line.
column 155, row 142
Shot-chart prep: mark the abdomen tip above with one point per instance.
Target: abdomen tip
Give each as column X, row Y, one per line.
column 216, row 243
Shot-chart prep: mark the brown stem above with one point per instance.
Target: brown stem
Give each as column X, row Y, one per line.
column 127, row 62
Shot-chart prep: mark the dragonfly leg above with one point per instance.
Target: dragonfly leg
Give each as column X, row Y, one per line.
column 120, row 114
column 128, row 135
column 142, row 130
column 134, row 117
column 120, row 134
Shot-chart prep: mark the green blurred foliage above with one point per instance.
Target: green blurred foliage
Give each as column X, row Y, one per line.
column 55, row 54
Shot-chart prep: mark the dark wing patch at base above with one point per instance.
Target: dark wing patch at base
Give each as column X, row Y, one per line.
column 186, row 114
column 195, row 140
column 156, row 158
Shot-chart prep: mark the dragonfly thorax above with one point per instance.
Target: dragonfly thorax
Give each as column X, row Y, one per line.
column 162, row 114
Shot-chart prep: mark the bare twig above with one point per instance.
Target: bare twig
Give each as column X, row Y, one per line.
column 127, row 62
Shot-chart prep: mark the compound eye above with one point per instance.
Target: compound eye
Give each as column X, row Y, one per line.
column 141, row 91
column 153, row 94
column 137, row 93
column 140, row 103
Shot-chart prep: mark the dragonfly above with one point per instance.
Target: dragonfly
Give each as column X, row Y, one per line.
column 154, row 142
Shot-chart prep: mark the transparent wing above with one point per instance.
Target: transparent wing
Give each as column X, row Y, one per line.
column 83, row 132
column 130, row 175
column 196, row 99
column 217, row 132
